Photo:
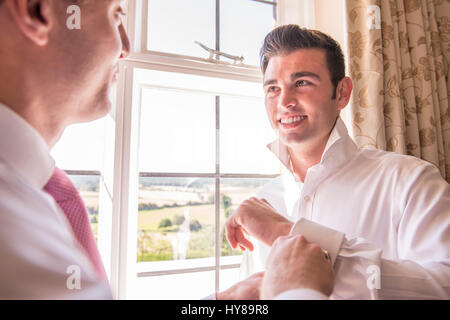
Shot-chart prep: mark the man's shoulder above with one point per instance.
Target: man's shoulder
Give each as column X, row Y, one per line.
column 21, row 203
column 390, row 160
column 402, row 170
column 13, row 185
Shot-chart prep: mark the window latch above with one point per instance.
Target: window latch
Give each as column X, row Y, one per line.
column 215, row 54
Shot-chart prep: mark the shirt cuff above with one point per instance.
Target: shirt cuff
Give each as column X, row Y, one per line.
column 301, row 294
column 328, row 239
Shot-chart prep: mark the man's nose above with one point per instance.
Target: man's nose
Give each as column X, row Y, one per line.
column 287, row 99
column 125, row 42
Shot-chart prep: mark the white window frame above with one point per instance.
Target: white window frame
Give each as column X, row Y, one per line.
column 118, row 231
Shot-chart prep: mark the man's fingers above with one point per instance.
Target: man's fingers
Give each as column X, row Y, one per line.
column 231, row 237
column 266, row 202
column 235, row 237
column 243, row 242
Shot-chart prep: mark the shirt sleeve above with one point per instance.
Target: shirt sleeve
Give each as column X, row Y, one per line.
column 362, row 273
column 40, row 258
column 421, row 268
column 328, row 239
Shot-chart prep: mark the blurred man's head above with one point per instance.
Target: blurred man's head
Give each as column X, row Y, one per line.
column 54, row 71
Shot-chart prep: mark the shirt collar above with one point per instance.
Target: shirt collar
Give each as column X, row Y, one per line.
column 23, row 148
column 338, row 134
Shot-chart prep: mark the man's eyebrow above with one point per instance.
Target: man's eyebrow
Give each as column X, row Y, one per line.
column 294, row 76
column 304, row 74
column 270, row 81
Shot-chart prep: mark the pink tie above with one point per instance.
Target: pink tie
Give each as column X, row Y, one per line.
column 68, row 198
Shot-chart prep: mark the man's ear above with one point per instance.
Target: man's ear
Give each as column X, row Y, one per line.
column 32, row 17
column 343, row 92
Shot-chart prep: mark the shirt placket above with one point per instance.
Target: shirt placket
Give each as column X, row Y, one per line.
column 308, row 194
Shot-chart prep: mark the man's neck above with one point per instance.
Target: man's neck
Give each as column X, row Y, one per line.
column 302, row 161
column 308, row 154
column 28, row 92
column 49, row 127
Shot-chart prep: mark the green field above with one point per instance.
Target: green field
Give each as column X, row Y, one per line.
column 149, row 219
column 156, row 243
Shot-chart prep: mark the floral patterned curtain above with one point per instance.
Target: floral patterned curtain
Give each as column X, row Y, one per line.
column 399, row 52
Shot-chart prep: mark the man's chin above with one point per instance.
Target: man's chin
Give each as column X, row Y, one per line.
column 292, row 139
column 103, row 109
column 97, row 111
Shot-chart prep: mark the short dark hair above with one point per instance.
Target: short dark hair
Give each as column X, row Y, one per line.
column 289, row 38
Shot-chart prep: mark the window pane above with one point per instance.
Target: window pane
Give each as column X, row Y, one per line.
column 177, row 132
column 233, row 192
column 186, row 286
column 244, row 134
column 213, row 85
column 88, row 186
column 176, row 219
column 81, row 147
column 174, row 25
column 243, row 26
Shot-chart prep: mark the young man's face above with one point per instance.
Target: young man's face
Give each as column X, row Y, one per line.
column 87, row 59
column 298, row 97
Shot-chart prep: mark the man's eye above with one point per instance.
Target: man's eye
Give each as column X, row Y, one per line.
column 301, row 83
column 271, row 89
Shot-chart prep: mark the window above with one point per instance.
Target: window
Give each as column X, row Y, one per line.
column 195, row 147
column 183, row 146
column 201, row 153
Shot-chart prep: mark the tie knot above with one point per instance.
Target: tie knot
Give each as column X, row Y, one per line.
column 60, row 187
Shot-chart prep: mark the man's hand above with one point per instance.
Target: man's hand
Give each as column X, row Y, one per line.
column 257, row 218
column 294, row 263
column 248, row 289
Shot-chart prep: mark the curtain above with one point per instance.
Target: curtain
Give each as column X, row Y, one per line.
column 399, row 53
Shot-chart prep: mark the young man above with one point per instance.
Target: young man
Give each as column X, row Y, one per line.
column 395, row 208
column 51, row 77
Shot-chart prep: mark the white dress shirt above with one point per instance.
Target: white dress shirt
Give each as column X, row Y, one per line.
column 39, row 255
column 383, row 217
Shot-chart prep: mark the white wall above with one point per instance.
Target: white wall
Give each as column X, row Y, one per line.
column 329, row 16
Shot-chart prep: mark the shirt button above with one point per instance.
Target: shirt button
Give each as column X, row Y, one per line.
column 307, row 198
